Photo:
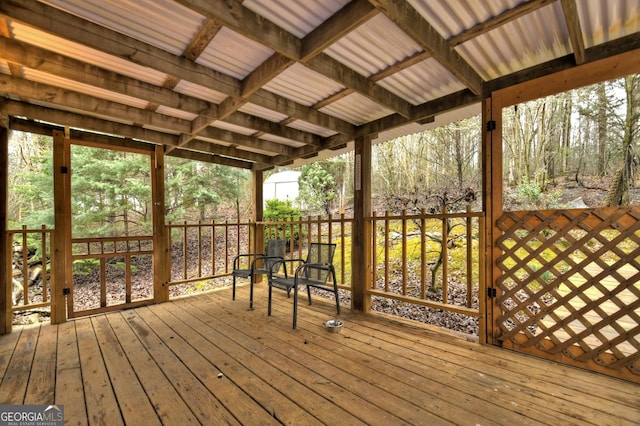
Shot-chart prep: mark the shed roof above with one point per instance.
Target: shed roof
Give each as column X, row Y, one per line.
column 261, row 83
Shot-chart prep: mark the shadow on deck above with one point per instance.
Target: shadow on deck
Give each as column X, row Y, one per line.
column 206, row 359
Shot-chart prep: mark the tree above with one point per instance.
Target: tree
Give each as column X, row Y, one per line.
column 618, row 193
column 316, row 188
column 196, row 190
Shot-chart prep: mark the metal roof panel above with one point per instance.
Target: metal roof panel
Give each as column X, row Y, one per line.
column 200, row 92
column 161, row 23
column 373, row 47
column 356, row 109
column 82, row 88
column 303, row 85
column 298, row 17
column 233, row 54
column 86, row 54
column 422, row 82
column 258, row 111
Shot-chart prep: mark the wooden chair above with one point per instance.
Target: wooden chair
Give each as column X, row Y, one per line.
column 258, row 264
column 312, row 272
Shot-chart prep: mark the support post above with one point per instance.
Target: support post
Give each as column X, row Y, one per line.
column 161, row 260
column 61, row 266
column 492, row 205
column 258, row 214
column 361, row 232
column 5, row 288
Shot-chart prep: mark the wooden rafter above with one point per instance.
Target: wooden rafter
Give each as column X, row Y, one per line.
column 201, row 40
column 570, row 11
column 100, row 107
column 505, row 17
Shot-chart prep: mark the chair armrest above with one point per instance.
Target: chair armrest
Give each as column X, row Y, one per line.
column 236, row 259
column 280, row 263
column 321, row 266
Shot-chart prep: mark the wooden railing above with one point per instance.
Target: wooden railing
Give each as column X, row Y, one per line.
column 409, row 261
column 29, row 264
column 114, row 257
column 193, row 260
column 417, row 258
column 198, row 244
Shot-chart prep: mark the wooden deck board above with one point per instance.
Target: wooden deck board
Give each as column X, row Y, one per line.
column 69, row 389
column 208, row 360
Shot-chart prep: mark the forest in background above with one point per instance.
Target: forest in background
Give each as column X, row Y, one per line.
column 575, row 145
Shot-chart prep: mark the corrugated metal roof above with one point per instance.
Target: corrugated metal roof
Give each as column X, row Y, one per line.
column 281, row 140
column 258, row 111
column 200, row 92
column 232, row 128
column 373, row 47
column 233, row 54
column 356, row 109
column 535, row 38
column 302, row 85
column 422, row 82
column 173, row 112
column 452, row 17
column 604, row 21
column 86, row 54
column 305, row 126
column 161, row 23
column 74, row 86
column 298, row 17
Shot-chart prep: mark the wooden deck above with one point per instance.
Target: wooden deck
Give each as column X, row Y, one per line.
column 208, row 360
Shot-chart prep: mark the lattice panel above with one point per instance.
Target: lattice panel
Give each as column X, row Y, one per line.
column 570, row 286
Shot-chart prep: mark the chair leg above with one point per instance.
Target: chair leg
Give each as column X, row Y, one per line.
column 335, row 291
column 309, row 293
column 269, row 304
column 233, row 293
column 251, row 292
column 295, row 306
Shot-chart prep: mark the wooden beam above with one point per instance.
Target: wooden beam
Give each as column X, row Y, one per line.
column 244, row 21
column 76, row 29
column 505, row 17
column 94, row 106
column 227, row 151
column 570, row 11
column 62, row 66
column 213, row 159
column 266, row 126
column 347, row 19
column 266, row 72
column 572, row 78
column 16, row 108
column 246, row 141
column 201, row 40
column 414, row 25
column 285, row 106
column 331, row 68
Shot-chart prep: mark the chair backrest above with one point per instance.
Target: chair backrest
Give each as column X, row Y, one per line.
column 275, row 248
column 319, row 253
